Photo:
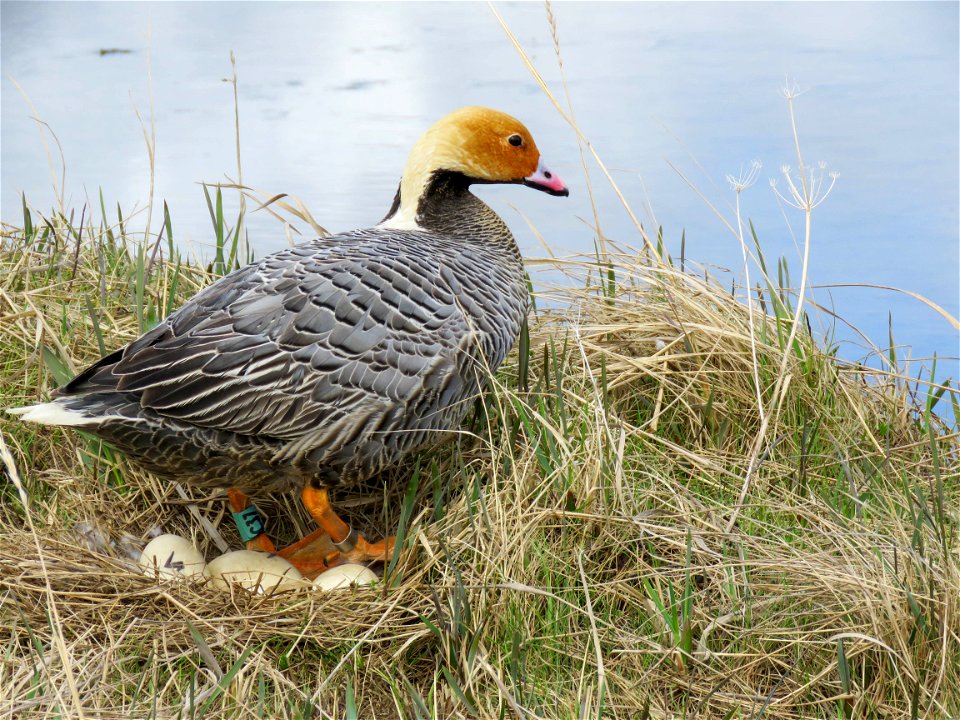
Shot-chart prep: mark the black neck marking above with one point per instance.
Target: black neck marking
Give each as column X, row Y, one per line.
column 447, row 206
column 394, row 206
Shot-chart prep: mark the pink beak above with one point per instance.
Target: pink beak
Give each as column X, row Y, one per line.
column 545, row 179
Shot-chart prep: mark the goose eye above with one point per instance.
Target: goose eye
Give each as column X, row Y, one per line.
column 515, row 140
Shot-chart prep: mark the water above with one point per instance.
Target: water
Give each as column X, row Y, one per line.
column 333, row 95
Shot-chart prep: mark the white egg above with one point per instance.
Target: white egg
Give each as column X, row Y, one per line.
column 252, row 570
column 170, row 556
column 341, row 577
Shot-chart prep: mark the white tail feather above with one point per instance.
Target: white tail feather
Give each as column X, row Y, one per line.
column 53, row 413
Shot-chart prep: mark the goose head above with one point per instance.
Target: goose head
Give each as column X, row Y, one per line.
column 474, row 145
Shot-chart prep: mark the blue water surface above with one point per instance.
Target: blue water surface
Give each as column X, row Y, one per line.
column 332, row 96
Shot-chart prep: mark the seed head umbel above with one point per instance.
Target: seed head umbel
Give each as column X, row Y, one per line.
column 746, row 178
column 807, row 187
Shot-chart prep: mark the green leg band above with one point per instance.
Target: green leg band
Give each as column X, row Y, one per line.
column 249, row 522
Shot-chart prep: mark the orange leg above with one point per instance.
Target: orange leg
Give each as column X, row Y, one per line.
column 332, row 544
column 311, row 555
column 240, row 503
column 352, row 545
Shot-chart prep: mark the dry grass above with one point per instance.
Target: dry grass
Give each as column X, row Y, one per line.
column 567, row 556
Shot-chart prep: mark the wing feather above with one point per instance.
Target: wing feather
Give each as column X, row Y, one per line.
column 333, row 336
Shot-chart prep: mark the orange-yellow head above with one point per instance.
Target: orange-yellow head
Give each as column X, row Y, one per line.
column 484, row 145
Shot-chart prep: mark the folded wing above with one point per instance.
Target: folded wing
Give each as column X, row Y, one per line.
column 317, row 336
